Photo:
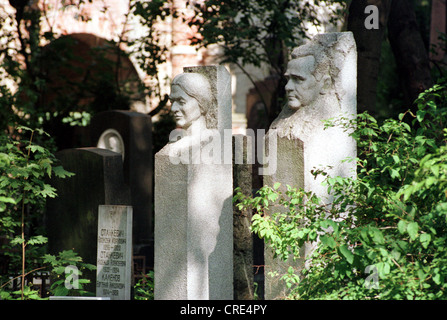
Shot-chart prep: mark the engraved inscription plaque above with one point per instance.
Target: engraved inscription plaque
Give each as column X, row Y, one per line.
column 114, row 252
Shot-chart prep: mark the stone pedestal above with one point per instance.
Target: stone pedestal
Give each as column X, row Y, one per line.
column 243, row 237
column 322, row 85
column 193, row 204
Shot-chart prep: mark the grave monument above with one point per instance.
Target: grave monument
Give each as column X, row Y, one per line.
column 321, row 85
column 72, row 216
column 193, row 191
column 129, row 133
column 243, row 237
column 114, row 258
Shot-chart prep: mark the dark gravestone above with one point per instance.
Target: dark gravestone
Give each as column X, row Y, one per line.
column 130, row 133
column 72, row 217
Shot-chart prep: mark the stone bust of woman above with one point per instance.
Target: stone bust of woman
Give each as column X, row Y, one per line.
column 192, row 106
column 191, row 99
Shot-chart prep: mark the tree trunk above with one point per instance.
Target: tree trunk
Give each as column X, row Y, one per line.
column 369, row 42
column 409, row 50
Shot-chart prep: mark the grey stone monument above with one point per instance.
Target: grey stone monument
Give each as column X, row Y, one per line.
column 193, row 191
column 130, row 134
column 322, row 82
column 114, row 258
column 243, row 238
column 72, row 217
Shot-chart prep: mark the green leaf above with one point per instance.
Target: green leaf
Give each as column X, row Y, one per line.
column 37, row 148
column 394, row 173
column 7, row 200
column 383, row 268
column 347, row 253
column 60, row 172
column 82, row 281
column 430, row 181
column 425, row 239
column 37, row 240
column 59, row 270
column 272, row 197
column 326, row 224
column 412, row 230
column 5, row 159
column 395, row 254
column 377, row 236
column 437, row 278
column 17, row 240
column 435, row 170
column 276, row 185
column 45, row 163
column 24, row 128
column 61, row 291
column 49, row 258
column 421, row 275
column 402, row 226
column 328, row 241
column 89, row 266
column 420, row 114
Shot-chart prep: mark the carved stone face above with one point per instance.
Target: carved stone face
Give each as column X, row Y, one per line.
column 302, row 87
column 185, row 108
column 111, row 140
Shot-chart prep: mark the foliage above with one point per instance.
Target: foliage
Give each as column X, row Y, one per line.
column 24, row 167
column 48, row 83
column 150, row 51
column 19, row 39
column 28, row 293
column 33, row 94
column 61, row 275
column 383, row 237
column 23, row 170
column 144, row 288
column 254, row 32
column 258, row 33
column 27, row 67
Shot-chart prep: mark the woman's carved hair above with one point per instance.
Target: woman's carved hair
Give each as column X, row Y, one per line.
column 198, row 87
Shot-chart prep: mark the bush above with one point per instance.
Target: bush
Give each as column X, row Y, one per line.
column 144, row 288
column 24, row 169
column 384, row 236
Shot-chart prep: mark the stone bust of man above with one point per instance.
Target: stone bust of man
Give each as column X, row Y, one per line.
column 309, row 91
column 305, row 82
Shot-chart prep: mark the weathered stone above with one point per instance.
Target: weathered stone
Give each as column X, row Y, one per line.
column 243, row 238
column 193, row 199
column 321, row 85
column 114, row 258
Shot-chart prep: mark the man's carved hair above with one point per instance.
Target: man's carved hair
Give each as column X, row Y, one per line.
column 315, row 49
